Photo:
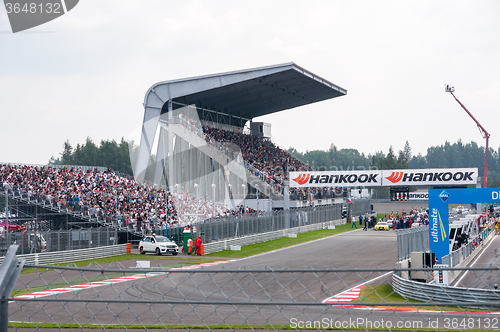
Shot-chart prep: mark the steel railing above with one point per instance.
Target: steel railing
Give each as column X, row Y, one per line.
column 47, row 258
column 430, row 292
column 412, row 240
column 256, row 223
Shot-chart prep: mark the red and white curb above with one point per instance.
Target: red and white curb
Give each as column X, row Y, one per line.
column 353, row 293
column 345, row 297
column 93, row 284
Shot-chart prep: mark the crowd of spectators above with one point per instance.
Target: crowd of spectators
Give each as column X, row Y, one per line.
column 271, row 163
column 260, row 154
column 262, row 158
column 109, row 196
column 407, row 219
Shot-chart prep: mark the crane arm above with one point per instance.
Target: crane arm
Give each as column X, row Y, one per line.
column 483, row 131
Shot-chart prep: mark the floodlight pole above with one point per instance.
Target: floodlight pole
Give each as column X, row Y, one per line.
column 483, row 132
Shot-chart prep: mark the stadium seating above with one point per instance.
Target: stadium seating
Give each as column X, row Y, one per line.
column 108, row 196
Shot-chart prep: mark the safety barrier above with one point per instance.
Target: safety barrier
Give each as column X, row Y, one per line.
column 232, row 227
column 464, row 255
column 457, row 257
column 412, row 240
column 429, row 292
column 226, row 297
column 34, row 241
column 262, row 237
column 47, row 258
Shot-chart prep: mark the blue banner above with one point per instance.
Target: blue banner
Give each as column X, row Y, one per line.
column 439, row 199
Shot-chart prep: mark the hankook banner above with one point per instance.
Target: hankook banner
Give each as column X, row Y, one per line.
column 386, row 178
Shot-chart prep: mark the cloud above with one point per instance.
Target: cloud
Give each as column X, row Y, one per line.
column 89, row 77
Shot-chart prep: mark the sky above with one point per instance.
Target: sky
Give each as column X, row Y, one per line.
column 86, row 73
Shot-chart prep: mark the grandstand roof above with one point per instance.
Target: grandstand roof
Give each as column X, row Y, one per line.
column 245, row 93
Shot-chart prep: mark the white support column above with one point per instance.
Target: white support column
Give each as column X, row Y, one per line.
column 177, row 161
column 149, row 125
column 193, row 169
column 184, row 164
column 203, row 174
column 216, row 179
column 170, row 149
column 161, row 158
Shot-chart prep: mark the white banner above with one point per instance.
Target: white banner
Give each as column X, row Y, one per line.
column 429, row 177
column 386, row 178
column 418, row 196
column 335, row 179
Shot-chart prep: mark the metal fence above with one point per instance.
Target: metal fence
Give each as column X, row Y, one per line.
column 470, row 296
column 462, row 254
column 268, row 236
column 192, row 299
column 256, row 223
column 45, row 258
column 31, row 242
column 412, row 240
column 359, row 207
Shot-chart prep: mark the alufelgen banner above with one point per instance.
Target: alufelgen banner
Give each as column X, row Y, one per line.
column 386, row 178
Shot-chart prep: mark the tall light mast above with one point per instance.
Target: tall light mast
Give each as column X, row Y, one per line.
column 483, row 132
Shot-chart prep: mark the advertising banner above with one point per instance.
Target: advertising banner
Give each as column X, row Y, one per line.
column 335, row 179
column 429, row 177
column 418, row 196
column 386, row 178
column 439, row 199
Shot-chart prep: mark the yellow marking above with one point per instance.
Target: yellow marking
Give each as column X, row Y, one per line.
column 443, row 231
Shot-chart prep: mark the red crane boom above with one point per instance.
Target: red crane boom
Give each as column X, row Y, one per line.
column 483, row 132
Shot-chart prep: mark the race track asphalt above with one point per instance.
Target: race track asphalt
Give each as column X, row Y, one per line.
column 489, row 257
column 352, row 250
column 250, row 286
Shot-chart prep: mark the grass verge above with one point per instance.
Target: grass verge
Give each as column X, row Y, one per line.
column 231, row 327
column 385, row 294
column 258, row 248
column 187, row 260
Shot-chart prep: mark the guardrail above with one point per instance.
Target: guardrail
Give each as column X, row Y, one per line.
column 459, row 256
column 464, row 255
column 262, row 237
column 232, row 227
column 446, row 294
column 430, row 292
column 47, row 258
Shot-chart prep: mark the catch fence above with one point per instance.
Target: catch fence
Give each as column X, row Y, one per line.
column 218, row 297
column 33, row 241
column 256, row 223
column 412, row 240
column 461, row 255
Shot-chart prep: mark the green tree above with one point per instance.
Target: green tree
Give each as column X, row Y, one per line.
column 67, row 154
column 108, row 154
column 407, row 151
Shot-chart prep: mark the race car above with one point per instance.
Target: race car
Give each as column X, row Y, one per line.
column 381, row 226
column 158, row 244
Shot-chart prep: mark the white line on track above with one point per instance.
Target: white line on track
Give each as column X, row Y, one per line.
column 357, row 288
column 94, row 284
column 294, row 246
column 479, row 256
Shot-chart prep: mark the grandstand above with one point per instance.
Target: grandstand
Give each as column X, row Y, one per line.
column 198, row 134
column 45, row 198
column 211, row 160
